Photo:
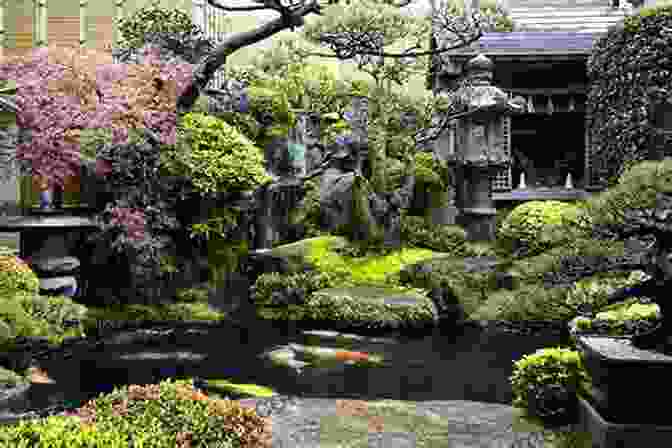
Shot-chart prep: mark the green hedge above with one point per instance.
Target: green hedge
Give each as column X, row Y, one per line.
column 625, row 64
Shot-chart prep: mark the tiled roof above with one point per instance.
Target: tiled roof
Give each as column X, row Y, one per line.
column 531, row 42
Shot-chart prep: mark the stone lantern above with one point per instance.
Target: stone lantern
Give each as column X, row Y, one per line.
column 480, row 146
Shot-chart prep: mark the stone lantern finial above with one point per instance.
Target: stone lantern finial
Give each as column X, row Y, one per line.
column 479, row 70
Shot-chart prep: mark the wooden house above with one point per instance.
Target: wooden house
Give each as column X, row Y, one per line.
column 544, row 61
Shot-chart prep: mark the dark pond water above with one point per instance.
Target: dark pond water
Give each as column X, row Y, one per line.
column 467, row 364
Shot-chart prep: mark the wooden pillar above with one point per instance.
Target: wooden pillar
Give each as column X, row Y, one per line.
column 118, row 14
column 3, row 31
column 40, row 21
column 83, row 4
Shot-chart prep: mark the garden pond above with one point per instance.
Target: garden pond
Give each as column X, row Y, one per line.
column 471, row 363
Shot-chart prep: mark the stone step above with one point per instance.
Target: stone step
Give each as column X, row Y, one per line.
column 59, row 285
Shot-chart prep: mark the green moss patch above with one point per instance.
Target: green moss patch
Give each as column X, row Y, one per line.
column 144, row 313
column 367, row 306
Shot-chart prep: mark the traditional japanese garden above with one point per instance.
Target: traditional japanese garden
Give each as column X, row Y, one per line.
column 289, row 260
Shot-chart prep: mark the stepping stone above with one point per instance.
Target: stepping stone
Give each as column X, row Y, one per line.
column 54, row 265
column 59, row 285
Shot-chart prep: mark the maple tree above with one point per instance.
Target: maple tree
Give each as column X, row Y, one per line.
column 62, row 91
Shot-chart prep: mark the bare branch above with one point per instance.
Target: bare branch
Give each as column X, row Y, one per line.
column 206, row 69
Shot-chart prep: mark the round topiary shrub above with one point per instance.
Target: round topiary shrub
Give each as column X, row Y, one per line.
column 443, row 238
column 546, row 382
column 533, row 227
column 216, row 157
column 16, row 276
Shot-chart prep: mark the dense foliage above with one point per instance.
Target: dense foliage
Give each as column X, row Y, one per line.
column 16, row 276
column 84, row 94
column 169, row 414
column 628, row 68
column 545, row 383
column 536, row 226
column 173, row 28
column 216, row 157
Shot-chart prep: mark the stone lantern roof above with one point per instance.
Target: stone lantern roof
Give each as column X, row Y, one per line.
column 478, row 94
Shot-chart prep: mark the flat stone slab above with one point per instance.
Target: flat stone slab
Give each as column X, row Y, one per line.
column 56, row 283
column 55, row 265
column 331, row 423
column 622, row 349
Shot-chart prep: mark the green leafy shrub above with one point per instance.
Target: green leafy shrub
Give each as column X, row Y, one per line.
column 308, row 213
column 162, row 415
column 216, row 157
column 196, row 311
column 547, row 367
column 528, row 302
column 263, row 289
column 627, row 70
column 443, row 238
column 35, row 315
column 12, row 378
column 636, row 190
column 536, row 226
column 192, row 295
column 595, row 290
column 16, row 276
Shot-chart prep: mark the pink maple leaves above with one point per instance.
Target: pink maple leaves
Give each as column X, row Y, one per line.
column 61, row 91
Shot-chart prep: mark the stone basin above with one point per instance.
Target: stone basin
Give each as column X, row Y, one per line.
column 626, row 379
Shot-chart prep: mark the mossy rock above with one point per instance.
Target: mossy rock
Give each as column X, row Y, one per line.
column 298, row 254
column 362, row 306
column 322, row 254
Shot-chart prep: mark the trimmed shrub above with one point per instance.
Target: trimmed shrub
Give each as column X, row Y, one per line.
column 443, row 238
column 277, row 290
column 33, row 315
column 168, row 414
column 627, row 66
column 636, row 190
column 16, row 276
column 536, row 226
column 216, row 157
column 546, row 382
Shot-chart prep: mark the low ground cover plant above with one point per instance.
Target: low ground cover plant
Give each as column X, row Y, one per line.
column 166, row 415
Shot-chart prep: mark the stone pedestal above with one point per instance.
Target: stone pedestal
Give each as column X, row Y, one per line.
column 605, row 434
column 446, row 215
column 478, row 223
column 628, row 385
